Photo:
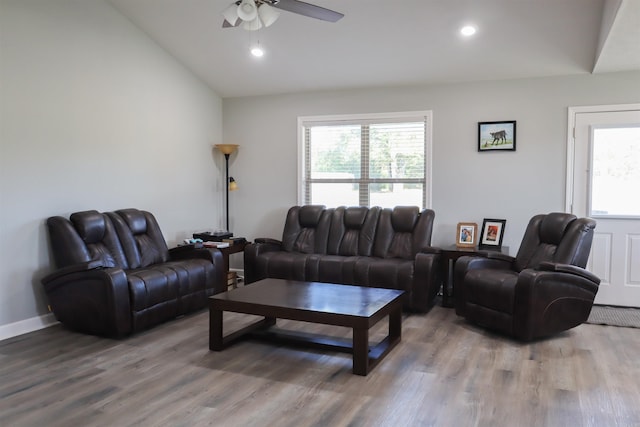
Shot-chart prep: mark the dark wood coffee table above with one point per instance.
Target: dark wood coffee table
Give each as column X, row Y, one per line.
column 355, row 307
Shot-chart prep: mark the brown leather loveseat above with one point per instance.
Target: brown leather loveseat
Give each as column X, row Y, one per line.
column 388, row 248
column 116, row 275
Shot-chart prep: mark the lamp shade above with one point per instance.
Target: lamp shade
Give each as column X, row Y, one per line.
column 233, row 186
column 227, row 148
column 248, row 11
column 254, row 25
column 231, row 14
column 268, row 14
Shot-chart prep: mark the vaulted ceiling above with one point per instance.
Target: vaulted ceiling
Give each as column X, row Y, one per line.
column 394, row 43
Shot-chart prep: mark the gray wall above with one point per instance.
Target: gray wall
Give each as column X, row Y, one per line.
column 467, row 186
column 94, row 115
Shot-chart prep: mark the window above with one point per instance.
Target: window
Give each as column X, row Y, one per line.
column 615, row 172
column 366, row 160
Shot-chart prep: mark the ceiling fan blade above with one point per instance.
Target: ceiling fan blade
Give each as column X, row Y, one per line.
column 309, row 10
column 227, row 24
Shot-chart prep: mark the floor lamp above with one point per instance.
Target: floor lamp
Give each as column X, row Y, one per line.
column 230, row 183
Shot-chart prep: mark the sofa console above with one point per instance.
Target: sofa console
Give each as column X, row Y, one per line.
column 375, row 247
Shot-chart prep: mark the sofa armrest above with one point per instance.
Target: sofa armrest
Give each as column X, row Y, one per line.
column 430, row 250
column 90, row 299
column 75, row 268
column 268, row 240
column 427, row 279
column 549, row 301
column 570, row 269
column 209, row 254
column 252, row 271
column 195, row 251
column 496, row 255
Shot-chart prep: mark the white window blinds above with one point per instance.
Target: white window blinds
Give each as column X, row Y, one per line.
column 366, row 161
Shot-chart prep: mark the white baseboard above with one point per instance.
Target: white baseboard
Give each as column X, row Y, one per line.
column 25, row 326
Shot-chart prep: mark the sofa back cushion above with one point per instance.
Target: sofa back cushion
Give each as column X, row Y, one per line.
column 140, row 236
column 402, row 232
column 353, row 231
column 306, row 229
column 555, row 237
column 85, row 236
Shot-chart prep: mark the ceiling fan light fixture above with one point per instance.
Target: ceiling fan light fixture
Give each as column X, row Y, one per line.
column 268, row 15
column 253, row 25
column 247, row 10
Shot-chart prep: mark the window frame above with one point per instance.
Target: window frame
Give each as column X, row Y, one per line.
column 408, row 116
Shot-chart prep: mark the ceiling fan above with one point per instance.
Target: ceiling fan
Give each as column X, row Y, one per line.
column 254, row 14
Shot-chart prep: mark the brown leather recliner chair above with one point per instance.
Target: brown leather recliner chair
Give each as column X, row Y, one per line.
column 542, row 291
column 116, row 276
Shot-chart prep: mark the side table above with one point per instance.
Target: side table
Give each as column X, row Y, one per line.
column 229, row 250
column 449, row 256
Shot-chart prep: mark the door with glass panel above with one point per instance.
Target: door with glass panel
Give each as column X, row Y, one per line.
column 604, row 183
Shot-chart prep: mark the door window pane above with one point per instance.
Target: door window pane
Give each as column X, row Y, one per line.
column 615, row 176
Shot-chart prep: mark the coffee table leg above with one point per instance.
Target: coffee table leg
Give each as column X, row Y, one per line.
column 360, row 351
column 215, row 329
column 395, row 325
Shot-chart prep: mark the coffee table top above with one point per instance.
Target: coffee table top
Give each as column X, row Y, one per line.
column 316, row 297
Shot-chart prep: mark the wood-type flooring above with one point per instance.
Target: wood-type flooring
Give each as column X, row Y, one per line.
column 445, row 372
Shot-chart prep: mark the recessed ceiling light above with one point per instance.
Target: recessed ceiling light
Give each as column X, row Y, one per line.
column 468, row 30
column 257, row 51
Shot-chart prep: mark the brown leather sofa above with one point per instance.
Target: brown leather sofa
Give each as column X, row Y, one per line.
column 389, row 248
column 542, row 291
column 116, row 276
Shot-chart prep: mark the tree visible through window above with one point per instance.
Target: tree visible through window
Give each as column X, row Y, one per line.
column 366, row 160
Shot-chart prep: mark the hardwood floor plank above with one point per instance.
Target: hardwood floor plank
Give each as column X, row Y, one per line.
column 444, row 372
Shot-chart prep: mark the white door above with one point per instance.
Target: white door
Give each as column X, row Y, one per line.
column 603, row 182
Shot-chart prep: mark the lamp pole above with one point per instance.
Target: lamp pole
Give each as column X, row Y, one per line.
column 226, row 184
column 227, row 149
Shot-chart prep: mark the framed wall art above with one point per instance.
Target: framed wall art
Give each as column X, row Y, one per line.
column 467, row 235
column 492, row 233
column 493, row 136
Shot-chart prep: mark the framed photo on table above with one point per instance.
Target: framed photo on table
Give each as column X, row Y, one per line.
column 467, row 235
column 492, row 233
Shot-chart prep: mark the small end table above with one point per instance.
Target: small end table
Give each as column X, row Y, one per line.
column 449, row 256
column 232, row 277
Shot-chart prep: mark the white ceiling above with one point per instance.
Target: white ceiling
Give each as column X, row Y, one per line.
column 394, row 43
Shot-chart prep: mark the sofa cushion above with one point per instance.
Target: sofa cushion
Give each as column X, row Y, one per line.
column 353, row 231
column 307, row 229
column 98, row 234
column 283, row 265
column 402, row 232
column 485, row 292
column 141, row 238
column 391, row 273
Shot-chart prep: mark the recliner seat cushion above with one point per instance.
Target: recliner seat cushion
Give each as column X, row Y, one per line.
column 493, row 289
column 284, row 265
column 391, row 273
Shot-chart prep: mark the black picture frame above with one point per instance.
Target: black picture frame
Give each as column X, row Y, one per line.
column 492, row 233
column 497, row 136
